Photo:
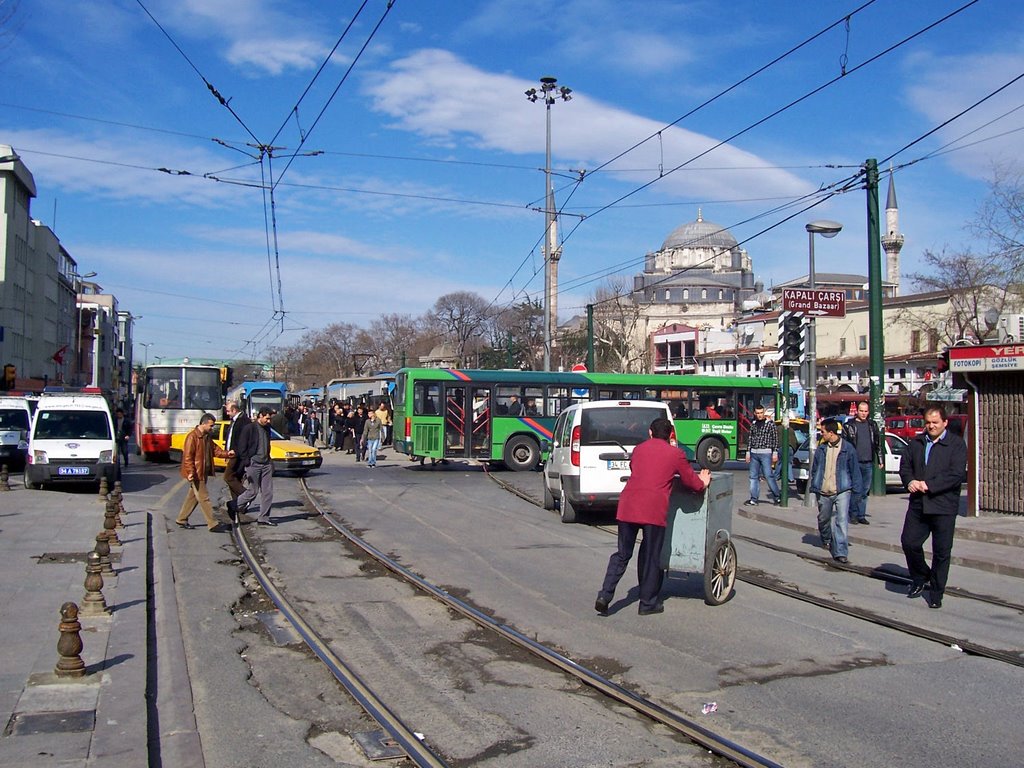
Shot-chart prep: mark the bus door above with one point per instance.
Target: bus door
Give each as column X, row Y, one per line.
column 467, row 422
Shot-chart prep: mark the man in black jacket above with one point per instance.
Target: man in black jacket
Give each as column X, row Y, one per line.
column 234, row 472
column 862, row 433
column 254, row 456
column 933, row 469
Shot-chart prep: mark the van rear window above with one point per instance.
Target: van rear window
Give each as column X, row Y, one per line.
column 72, row 425
column 627, row 426
column 13, row 418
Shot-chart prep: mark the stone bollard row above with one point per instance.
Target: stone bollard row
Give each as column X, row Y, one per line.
column 104, row 488
column 103, row 550
column 5, row 479
column 110, row 524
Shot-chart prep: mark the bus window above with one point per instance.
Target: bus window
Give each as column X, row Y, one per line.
column 533, row 401
column 426, row 399
column 559, row 398
column 504, row 403
column 677, row 400
column 607, row 394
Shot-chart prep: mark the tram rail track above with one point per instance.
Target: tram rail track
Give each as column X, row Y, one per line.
column 764, row 581
column 403, row 735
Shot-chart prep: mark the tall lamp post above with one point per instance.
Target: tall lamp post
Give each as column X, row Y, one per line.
column 550, row 92
column 828, row 229
column 146, row 346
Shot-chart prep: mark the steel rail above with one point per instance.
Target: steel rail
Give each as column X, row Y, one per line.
column 696, row 733
column 416, row 750
column 882, row 574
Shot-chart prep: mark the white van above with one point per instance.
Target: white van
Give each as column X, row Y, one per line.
column 588, row 463
column 15, row 420
column 71, row 440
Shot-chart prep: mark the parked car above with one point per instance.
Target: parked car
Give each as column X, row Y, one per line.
column 588, row 464
column 15, row 421
column 286, row 455
column 71, row 440
column 906, row 427
column 895, row 447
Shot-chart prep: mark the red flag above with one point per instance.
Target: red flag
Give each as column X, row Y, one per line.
column 58, row 356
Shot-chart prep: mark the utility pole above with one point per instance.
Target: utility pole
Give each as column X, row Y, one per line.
column 549, row 91
column 590, row 338
column 875, row 334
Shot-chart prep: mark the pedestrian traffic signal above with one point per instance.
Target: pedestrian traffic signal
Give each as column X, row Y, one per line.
column 792, row 338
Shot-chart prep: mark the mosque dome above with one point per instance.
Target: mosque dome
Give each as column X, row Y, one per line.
column 700, row 234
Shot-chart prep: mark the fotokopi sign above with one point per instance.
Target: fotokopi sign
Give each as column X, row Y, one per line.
column 1009, row 357
column 815, row 303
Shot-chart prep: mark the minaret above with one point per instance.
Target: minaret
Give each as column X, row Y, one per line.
column 892, row 240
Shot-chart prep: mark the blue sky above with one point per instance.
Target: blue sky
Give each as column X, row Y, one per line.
column 422, row 173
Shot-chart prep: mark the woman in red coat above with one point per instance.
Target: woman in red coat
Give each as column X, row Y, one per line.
column 643, row 505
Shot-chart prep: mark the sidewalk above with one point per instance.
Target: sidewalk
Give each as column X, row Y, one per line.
column 993, row 543
column 103, row 718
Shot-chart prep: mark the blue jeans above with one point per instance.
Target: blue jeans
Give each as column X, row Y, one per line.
column 859, row 502
column 761, row 465
column 833, row 522
column 371, row 452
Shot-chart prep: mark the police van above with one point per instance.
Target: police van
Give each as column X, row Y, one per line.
column 15, row 420
column 588, row 463
column 71, row 441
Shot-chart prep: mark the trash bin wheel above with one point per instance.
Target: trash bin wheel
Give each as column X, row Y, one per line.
column 720, row 573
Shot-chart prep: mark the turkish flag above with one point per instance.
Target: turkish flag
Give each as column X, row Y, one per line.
column 58, row 356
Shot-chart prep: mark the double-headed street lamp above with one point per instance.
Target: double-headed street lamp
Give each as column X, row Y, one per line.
column 550, row 92
column 829, row 229
column 146, row 345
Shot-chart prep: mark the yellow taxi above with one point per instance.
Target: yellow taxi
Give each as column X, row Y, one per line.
column 286, row 455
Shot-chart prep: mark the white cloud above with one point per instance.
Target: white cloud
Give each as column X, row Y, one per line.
column 435, row 94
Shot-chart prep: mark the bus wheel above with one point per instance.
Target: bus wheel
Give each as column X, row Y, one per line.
column 711, row 454
column 521, row 454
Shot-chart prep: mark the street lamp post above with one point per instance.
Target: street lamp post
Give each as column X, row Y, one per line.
column 825, row 229
column 550, row 92
column 146, row 346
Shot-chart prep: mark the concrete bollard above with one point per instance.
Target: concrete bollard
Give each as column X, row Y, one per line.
column 94, row 604
column 103, row 550
column 104, row 488
column 5, row 479
column 110, row 524
column 69, row 645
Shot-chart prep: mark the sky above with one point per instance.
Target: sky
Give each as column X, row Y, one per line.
column 406, row 162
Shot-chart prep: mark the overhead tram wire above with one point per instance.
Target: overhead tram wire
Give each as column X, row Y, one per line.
column 295, row 109
column 341, row 82
column 210, row 87
column 788, row 106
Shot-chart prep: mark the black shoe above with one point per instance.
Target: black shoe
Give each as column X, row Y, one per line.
column 232, row 510
column 269, row 523
column 186, row 526
column 220, row 528
column 916, row 590
column 854, row 521
column 659, row 608
column 826, row 545
column 935, row 601
column 864, row 521
column 841, row 559
column 601, row 606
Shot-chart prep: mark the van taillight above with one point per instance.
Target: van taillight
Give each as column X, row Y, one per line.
column 408, row 427
column 574, row 447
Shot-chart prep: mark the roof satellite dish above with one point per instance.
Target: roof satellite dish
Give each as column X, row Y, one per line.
column 991, row 318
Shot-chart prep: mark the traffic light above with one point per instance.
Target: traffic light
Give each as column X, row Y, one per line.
column 792, row 338
column 942, row 364
column 8, row 381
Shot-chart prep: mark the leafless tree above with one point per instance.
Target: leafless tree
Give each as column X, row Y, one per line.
column 619, row 342
column 462, row 318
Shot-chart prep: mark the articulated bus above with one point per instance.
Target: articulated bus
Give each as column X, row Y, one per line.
column 171, row 399
column 253, row 395
column 369, row 390
column 442, row 413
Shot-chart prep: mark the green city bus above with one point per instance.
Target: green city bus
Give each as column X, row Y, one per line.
column 507, row 415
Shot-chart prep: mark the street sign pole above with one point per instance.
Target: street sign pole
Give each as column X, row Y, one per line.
column 784, row 448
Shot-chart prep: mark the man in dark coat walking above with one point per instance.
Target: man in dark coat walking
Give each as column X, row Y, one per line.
column 643, row 506
column 933, row 469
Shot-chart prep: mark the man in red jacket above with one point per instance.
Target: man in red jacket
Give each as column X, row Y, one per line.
column 643, row 506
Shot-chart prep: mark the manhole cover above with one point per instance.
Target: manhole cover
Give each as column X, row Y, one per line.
column 27, row 724
column 377, row 745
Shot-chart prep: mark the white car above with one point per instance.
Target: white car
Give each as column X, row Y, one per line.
column 71, row 441
column 895, row 447
column 588, row 463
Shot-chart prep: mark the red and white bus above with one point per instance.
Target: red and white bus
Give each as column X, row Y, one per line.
column 171, row 399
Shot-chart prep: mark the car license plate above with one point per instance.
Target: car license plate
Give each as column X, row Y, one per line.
column 618, row 465
column 72, row 470
column 304, row 462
